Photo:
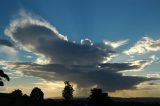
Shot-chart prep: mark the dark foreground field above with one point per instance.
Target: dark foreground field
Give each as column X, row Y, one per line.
column 12, row 100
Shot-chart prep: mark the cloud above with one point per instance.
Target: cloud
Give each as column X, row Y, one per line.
column 83, row 76
column 155, row 75
column 29, row 56
column 8, row 53
column 6, row 43
column 143, row 46
column 61, row 59
column 145, row 89
column 118, row 67
column 40, row 37
column 134, row 65
column 141, row 64
column 86, row 42
column 116, row 44
column 7, row 49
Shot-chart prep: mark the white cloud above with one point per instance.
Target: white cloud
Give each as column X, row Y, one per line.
column 154, row 58
column 145, row 45
column 42, row 60
column 142, row 64
column 9, row 52
column 115, row 44
column 155, row 75
column 87, row 42
column 29, row 56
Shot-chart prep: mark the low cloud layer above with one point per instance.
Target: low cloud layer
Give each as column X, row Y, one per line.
column 104, row 77
column 82, row 63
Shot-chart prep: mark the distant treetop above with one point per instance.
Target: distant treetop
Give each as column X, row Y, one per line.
column 3, row 75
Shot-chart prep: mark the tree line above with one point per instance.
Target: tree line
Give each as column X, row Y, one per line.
column 37, row 96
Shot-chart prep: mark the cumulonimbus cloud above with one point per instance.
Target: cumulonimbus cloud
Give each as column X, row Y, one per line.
column 79, row 63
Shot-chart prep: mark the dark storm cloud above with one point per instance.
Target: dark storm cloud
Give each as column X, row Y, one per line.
column 83, row 76
column 42, row 38
column 6, row 43
column 119, row 66
column 79, row 63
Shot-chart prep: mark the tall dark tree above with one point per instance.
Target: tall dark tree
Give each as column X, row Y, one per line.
column 67, row 93
column 98, row 98
column 37, row 94
column 3, row 75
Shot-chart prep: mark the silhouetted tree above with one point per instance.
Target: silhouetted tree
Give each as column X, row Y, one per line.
column 17, row 93
column 3, row 75
column 98, row 98
column 67, row 93
column 16, row 97
column 37, row 94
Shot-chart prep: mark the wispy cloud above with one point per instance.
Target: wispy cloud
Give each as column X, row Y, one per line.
column 115, row 44
column 143, row 46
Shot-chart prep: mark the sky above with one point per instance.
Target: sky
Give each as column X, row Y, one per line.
column 110, row 44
